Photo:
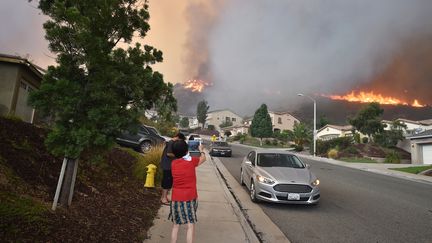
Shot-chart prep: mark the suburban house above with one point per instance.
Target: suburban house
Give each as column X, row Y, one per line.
column 421, row 147
column 193, row 121
column 217, row 117
column 333, row 131
column 235, row 130
column 282, row 121
column 413, row 127
column 18, row 77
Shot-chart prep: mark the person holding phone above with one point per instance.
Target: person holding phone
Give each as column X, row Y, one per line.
column 184, row 198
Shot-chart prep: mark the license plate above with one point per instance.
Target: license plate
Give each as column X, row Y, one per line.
column 293, row 196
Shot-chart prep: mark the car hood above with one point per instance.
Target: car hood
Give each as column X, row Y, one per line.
column 287, row 175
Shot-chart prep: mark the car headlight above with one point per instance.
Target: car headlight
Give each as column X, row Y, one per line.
column 315, row 182
column 265, row 180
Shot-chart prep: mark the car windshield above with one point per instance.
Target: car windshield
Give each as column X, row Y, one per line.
column 221, row 144
column 279, row 160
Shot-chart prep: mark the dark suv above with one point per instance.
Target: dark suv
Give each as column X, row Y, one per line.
column 145, row 138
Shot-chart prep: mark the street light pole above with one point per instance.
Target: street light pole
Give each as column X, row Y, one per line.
column 314, row 123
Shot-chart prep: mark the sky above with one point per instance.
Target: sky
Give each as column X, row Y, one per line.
column 255, row 51
column 22, row 34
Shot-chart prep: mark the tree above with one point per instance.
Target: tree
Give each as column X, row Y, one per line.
column 166, row 105
column 300, row 134
column 202, row 109
column 184, row 122
column 390, row 138
column 261, row 126
column 97, row 88
column 323, row 121
column 226, row 124
column 368, row 120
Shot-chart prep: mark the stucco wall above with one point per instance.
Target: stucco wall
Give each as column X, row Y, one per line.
column 218, row 117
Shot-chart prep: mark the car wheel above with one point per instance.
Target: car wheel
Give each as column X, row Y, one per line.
column 241, row 178
column 253, row 193
column 145, row 146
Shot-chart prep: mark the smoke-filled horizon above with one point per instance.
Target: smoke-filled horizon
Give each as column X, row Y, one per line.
column 268, row 51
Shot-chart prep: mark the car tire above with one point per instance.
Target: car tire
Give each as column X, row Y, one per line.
column 252, row 192
column 241, row 178
column 145, row 146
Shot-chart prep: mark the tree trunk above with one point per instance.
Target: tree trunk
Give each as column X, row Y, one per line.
column 66, row 183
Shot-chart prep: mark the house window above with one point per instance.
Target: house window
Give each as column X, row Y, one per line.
column 227, row 119
column 233, row 119
column 280, row 120
column 23, row 85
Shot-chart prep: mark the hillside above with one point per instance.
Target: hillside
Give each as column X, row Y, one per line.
column 109, row 205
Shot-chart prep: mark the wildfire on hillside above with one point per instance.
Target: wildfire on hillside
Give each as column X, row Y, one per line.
column 370, row 96
column 196, row 85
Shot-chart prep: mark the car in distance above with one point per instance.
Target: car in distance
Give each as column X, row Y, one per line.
column 143, row 140
column 278, row 176
column 219, row 148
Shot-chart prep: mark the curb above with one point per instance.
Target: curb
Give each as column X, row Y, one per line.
column 257, row 225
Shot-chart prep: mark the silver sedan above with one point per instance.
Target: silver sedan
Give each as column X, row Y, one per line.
column 278, row 176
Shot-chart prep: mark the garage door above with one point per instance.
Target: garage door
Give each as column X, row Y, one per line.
column 427, row 154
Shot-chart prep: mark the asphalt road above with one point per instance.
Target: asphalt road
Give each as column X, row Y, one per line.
column 355, row 206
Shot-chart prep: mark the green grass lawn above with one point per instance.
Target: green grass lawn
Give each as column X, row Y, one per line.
column 414, row 169
column 357, row 160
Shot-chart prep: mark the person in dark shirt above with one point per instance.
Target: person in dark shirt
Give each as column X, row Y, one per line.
column 167, row 157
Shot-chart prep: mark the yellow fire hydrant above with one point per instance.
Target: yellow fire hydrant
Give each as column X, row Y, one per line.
column 151, row 171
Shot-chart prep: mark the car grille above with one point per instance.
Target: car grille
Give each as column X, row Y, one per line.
column 302, row 199
column 292, row 188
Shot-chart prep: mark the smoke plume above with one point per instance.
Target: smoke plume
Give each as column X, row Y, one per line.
column 268, row 51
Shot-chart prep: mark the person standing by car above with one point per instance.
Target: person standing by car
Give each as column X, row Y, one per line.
column 166, row 160
column 184, row 197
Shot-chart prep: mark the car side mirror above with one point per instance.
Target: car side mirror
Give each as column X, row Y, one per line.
column 247, row 162
column 307, row 166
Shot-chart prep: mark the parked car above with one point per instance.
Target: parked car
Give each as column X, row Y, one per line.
column 143, row 140
column 219, row 148
column 278, row 176
column 195, row 137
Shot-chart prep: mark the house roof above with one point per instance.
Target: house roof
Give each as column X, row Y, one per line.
column 341, row 128
column 424, row 134
column 22, row 61
column 426, row 122
column 214, row 111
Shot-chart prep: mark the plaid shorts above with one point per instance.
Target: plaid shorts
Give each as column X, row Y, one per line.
column 183, row 212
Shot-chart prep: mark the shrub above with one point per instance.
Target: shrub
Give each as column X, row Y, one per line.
column 267, row 142
column 393, row 157
column 333, row 153
column 357, row 137
column 298, row 148
column 275, row 142
column 365, row 140
column 342, row 143
column 151, row 157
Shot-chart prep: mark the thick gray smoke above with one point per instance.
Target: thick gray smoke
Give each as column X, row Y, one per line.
column 268, row 51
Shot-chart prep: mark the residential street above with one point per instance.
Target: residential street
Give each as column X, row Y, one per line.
column 355, row 206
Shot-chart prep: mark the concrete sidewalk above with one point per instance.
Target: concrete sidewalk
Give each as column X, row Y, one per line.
column 220, row 219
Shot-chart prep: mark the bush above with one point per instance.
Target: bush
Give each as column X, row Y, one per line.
column 393, row 157
column 267, row 142
column 342, row 143
column 333, row 153
column 151, row 157
column 357, row 137
column 365, row 140
column 275, row 142
column 298, row 148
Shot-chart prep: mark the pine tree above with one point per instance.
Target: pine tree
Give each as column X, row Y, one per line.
column 261, row 126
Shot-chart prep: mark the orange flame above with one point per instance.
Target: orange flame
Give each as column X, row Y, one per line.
column 368, row 97
column 196, row 85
